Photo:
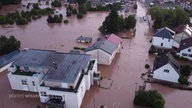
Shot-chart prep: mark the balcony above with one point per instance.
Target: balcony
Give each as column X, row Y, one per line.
column 55, row 103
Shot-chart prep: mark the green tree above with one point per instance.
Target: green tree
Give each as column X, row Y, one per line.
column 121, row 23
column 82, row 9
column 111, row 23
column 181, row 16
column 151, row 99
column 81, row 1
column 69, row 10
column 8, row 44
column 186, row 70
column 56, row 3
column 130, row 22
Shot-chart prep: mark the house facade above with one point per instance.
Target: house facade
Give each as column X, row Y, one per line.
column 163, row 38
column 165, row 70
column 103, row 50
column 61, row 79
column 185, row 49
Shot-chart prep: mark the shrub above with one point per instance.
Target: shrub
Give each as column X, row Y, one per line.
column 56, row 3
column 147, row 66
column 66, row 21
column 183, row 80
column 21, row 21
column 149, row 98
column 79, row 15
column 186, row 70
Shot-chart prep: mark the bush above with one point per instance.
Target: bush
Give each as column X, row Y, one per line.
column 147, row 66
column 79, row 15
column 66, row 21
column 186, row 70
column 21, row 21
column 8, row 45
column 150, row 98
column 183, row 80
column 56, row 3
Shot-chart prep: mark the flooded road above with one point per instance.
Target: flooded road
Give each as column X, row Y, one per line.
column 120, row 79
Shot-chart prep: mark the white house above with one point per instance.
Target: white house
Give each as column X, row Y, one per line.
column 163, row 38
column 182, row 32
column 185, row 48
column 116, row 40
column 103, row 50
column 61, row 79
column 165, row 69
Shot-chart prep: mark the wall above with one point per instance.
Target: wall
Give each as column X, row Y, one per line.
column 5, row 67
column 172, row 76
column 158, row 40
column 16, row 81
column 188, row 53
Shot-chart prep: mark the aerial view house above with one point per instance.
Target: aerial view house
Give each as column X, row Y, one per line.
column 182, row 32
column 163, row 38
column 185, row 48
column 103, row 50
column 61, row 79
column 166, row 69
column 83, row 39
column 116, row 40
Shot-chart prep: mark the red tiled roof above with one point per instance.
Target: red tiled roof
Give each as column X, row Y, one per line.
column 114, row 38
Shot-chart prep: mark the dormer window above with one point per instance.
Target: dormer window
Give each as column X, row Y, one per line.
column 189, row 50
column 166, row 70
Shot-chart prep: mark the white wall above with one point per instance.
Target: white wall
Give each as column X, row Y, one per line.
column 166, row 44
column 5, row 67
column 185, row 51
column 101, row 56
column 171, row 76
column 16, row 82
column 72, row 100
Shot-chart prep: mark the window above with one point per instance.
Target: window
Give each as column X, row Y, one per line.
column 163, row 38
column 43, row 94
column 166, row 70
column 33, row 83
column 189, row 50
column 169, row 40
column 161, row 44
column 190, row 55
column 184, row 54
column 24, row 82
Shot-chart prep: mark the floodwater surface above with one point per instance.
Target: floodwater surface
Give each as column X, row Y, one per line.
column 120, row 80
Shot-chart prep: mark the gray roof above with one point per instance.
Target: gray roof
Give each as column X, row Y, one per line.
column 8, row 58
column 87, row 39
column 103, row 44
column 164, row 33
column 186, row 43
column 67, row 67
column 36, row 58
column 162, row 60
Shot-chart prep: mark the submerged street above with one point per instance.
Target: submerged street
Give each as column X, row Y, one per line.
column 120, row 80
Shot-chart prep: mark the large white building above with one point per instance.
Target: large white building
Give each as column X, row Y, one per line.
column 185, row 48
column 103, row 50
column 166, row 69
column 163, row 38
column 61, row 79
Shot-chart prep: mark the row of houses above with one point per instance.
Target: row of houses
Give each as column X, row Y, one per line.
column 166, row 68
column 168, row 39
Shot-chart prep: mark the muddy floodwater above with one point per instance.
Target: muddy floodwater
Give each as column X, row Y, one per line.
column 120, row 79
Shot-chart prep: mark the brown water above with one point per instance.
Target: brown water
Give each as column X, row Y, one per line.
column 123, row 74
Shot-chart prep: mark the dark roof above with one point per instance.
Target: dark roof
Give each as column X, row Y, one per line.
column 186, row 43
column 68, row 66
column 162, row 60
column 8, row 58
column 83, row 38
column 103, row 44
column 164, row 33
column 36, row 58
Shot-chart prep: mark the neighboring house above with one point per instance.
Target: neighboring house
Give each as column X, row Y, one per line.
column 166, row 69
column 83, row 39
column 182, row 32
column 103, row 50
column 116, row 40
column 7, row 59
column 61, row 79
column 185, row 48
column 163, row 38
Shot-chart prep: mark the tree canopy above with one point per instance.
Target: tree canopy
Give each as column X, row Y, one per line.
column 8, row 44
column 168, row 17
column 151, row 99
